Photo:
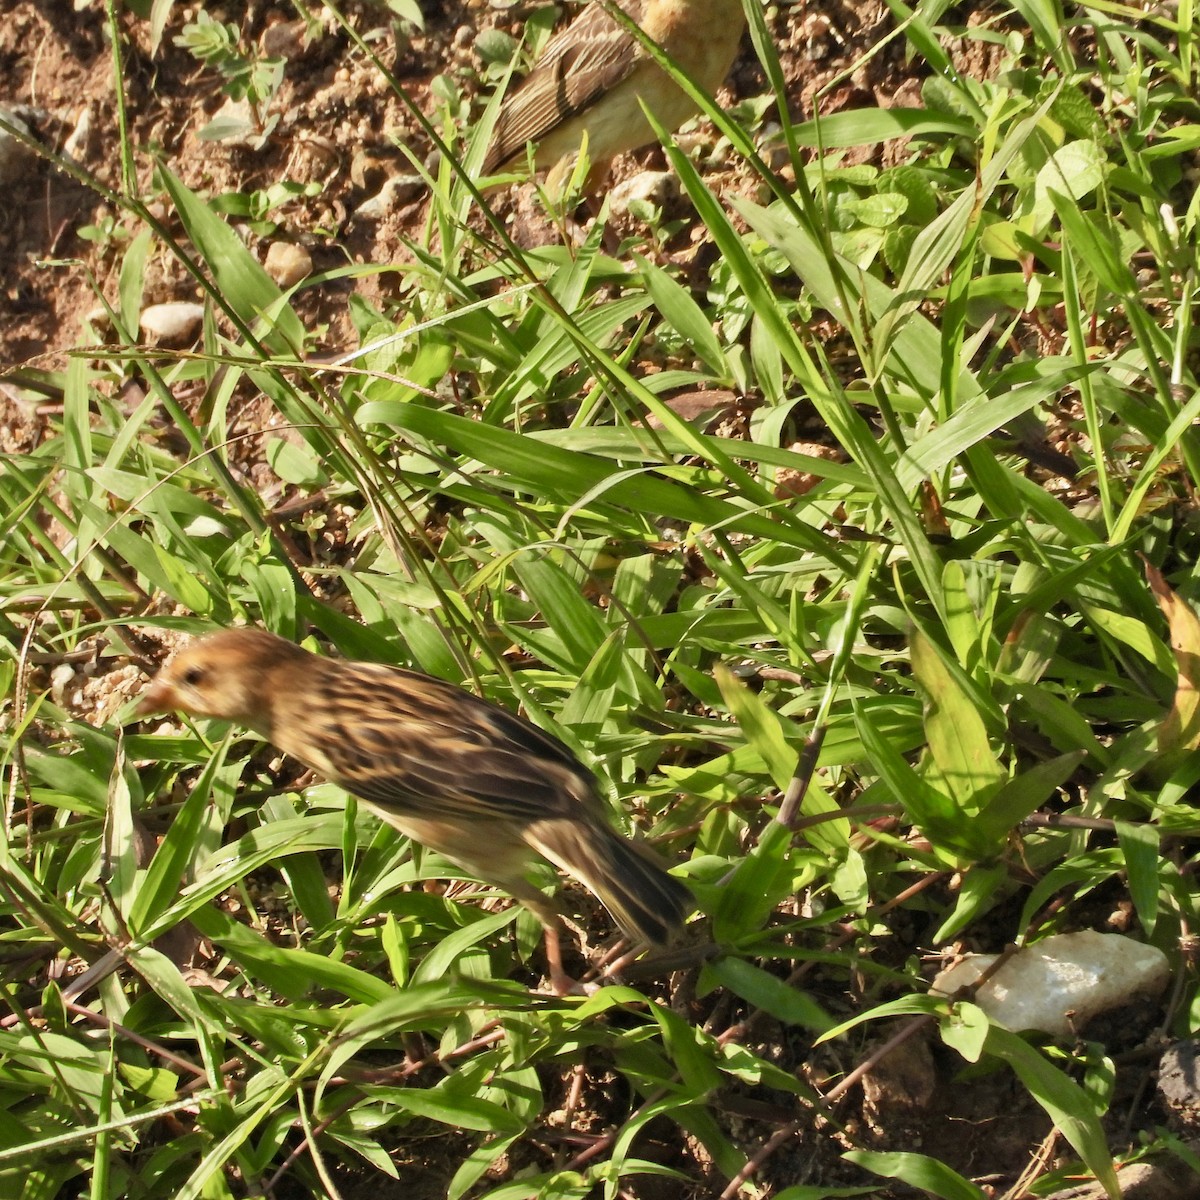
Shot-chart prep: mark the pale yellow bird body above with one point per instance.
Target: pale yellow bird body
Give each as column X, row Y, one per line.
column 594, row 75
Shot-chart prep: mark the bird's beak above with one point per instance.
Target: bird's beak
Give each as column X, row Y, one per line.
column 159, row 697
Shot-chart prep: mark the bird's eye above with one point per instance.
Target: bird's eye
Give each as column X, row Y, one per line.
column 193, row 676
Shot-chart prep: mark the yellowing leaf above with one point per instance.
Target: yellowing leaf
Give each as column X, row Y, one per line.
column 1181, row 728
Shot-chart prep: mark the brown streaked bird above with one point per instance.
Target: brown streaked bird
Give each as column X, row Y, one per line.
column 592, row 75
column 469, row 779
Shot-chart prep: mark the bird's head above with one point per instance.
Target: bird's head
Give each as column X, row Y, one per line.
column 225, row 675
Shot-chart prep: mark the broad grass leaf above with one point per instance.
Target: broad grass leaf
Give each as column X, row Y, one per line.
column 763, row 727
column 289, row 972
column 76, row 783
column 425, row 1006
column 295, row 464
column 44, row 1181
column 551, row 355
column 1134, row 633
column 958, row 739
column 162, row 568
column 1142, row 848
column 604, row 683
column 1030, row 648
column 894, row 717
column 1182, row 139
column 82, row 1070
column 553, row 472
column 550, row 1185
column 155, row 1083
column 934, row 249
column 952, row 831
column 1067, row 1104
column 240, row 280
column 120, row 836
column 406, row 373
column 685, row 316
column 1025, row 793
column 364, row 1145
column 918, row 1170
column 766, row 991
column 1045, row 18
column 965, row 1029
column 1073, row 170
column 977, row 418
column 691, row 1050
column 758, row 883
column 1094, row 243
column 1081, row 873
column 577, row 624
column 869, row 126
column 457, row 1111
column 770, row 614
column 850, row 881
column 475, row 1165
column 982, row 888
column 275, row 590
column 747, row 1066
column 642, row 586
column 167, row 982
column 668, row 1106
column 440, row 960
column 711, row 1132
column 906, row 1006
column 518, row 1087
column 756, row 287
column 132, row 279
column 175, row 855
column 238, row 859
column 1175, row 442
column 630, row 444
column 720, row 779
column 962, row 624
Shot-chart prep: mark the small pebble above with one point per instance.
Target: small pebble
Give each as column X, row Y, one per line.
column 175, row 323
column 1059, row 984
column 396, row 192
column 288, row 263
column 285, row 39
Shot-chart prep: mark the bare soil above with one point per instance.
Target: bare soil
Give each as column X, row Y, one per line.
column 340, row 124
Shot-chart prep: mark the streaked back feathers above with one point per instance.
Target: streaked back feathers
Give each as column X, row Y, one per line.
column 466, row 777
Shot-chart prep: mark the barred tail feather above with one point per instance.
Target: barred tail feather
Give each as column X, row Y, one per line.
column 629, row 880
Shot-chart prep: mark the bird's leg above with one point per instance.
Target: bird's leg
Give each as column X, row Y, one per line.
column 561, row 983
column 547, row 911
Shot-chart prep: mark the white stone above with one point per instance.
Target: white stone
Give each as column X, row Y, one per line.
column 60, row 678
column 1058, row 984
column 175, row 323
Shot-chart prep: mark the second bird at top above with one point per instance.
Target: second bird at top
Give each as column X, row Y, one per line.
column 593, row 76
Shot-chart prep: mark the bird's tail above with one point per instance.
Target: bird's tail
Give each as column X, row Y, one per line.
column 629, row 880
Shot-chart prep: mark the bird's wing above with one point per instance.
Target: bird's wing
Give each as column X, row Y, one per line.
column 421, row 746
column 579, row 65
